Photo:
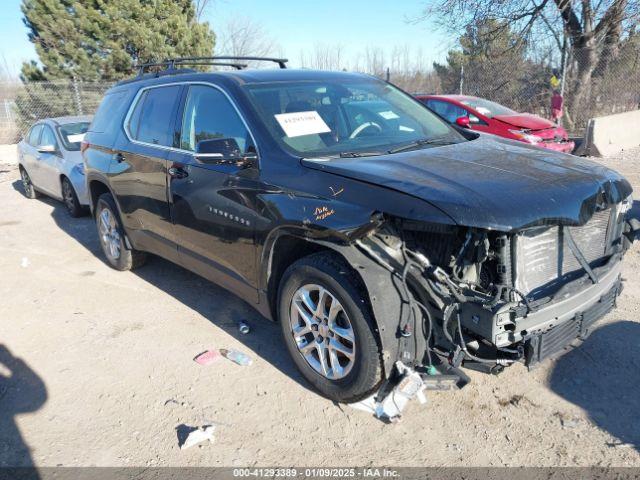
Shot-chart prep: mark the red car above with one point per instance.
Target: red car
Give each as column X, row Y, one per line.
column 490, row 117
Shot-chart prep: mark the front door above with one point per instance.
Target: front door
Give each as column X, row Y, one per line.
column 49, row 163
column 139, row 170
column 30, row 154
column 212, row 199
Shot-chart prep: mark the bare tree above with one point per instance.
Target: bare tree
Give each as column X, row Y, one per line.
column 201, row 6
column 323, row 57
column 595, row 29
column 242, row 37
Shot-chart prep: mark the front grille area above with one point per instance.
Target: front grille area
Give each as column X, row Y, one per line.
column 555, row 341
column 542, row 255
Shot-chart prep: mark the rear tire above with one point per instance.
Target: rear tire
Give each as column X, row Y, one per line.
column 70, row 199
column 328, row 328
column 112, row 236
column 27, row 187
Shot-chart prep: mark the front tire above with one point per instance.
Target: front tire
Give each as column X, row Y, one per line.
column 328, row 328
column 70, row 199
column 112, row 238
column 27, row 186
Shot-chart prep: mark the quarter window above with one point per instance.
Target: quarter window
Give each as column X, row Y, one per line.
column 109, row 112
column 152, row 117
column 208, row 115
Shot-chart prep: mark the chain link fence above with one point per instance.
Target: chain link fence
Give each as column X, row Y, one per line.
column 591, row 87
column 21, row 104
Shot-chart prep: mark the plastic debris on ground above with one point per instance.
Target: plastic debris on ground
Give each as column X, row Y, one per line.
column 190, row 436
column 237, row 357
column 243, row 327
column 388, row 405
column 208, row 357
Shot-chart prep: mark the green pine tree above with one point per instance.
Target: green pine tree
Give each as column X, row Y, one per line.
column 101, row 39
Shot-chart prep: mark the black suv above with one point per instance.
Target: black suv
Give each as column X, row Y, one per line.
column 372, row 230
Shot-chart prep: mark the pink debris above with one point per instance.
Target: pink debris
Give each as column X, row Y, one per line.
column 208, row 357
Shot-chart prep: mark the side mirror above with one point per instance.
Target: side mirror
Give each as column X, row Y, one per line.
column 224, row 151
column 463, row 122
column 218, row 147
column 47, row 149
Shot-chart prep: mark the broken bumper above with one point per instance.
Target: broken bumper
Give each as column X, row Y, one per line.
column 564, row 147
column 503, row 327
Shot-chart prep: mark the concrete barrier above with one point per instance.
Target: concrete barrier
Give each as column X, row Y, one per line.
column 612, row 134
column 9, row 154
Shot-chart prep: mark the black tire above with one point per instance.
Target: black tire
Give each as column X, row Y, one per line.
column 329, row 272
column 27, row 187
column 127, row 258
column 70, row 199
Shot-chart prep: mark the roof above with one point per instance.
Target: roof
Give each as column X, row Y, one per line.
column 251, row 76
column 68, row 119
column 458, row 98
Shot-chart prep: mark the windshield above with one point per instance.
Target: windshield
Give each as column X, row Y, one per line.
column 487, row 108
column 341, row 117
column 72, row 135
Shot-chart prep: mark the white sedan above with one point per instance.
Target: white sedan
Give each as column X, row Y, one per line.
column 51, row 162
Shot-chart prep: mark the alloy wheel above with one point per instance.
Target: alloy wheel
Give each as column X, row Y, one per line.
column 322, row 331
column 109, row 234
column 67, row 195
column 26, row 181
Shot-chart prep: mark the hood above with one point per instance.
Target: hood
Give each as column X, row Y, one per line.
column 526, row 121
column 491, row 182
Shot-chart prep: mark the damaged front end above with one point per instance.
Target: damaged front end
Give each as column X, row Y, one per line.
column 485, row 299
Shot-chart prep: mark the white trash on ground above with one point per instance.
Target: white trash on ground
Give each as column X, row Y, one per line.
column 197, row 436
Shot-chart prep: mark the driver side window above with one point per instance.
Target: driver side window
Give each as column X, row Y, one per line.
column 47, row 137
column 446, row 110
column 208, row 115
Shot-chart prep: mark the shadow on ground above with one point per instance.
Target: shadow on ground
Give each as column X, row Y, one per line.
column 602, row 377
column 21, row 391
column 217, row 305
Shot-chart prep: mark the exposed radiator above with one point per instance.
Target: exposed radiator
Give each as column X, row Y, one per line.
column 543, row 254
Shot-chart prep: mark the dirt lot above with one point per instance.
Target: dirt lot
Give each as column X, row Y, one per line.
column 102, row 373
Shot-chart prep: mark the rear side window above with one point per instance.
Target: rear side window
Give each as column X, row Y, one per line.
column 152, row 117
column 34, row 135
column 109, row 112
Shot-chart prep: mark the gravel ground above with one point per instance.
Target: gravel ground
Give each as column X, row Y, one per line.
column 96, row 368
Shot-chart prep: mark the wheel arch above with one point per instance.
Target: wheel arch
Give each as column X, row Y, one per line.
column 97, row 187
column 380, row 300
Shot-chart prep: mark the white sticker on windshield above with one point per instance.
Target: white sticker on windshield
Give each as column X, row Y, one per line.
column 388, row 115
column 77, row 138
column 297, row 124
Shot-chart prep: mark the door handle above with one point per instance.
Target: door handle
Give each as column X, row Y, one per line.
column 178, row 172
column 119, row 157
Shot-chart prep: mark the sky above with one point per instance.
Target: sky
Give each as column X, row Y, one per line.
column 294, row 25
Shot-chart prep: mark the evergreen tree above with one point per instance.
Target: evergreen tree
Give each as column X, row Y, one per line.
column 495, row 66
column 101, row 39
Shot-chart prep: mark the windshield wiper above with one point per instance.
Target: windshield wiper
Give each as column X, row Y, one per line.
column 359, row 154
column 420, row 143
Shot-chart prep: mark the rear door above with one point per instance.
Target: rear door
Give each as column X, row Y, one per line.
column 212, row 198
column 138, row 175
